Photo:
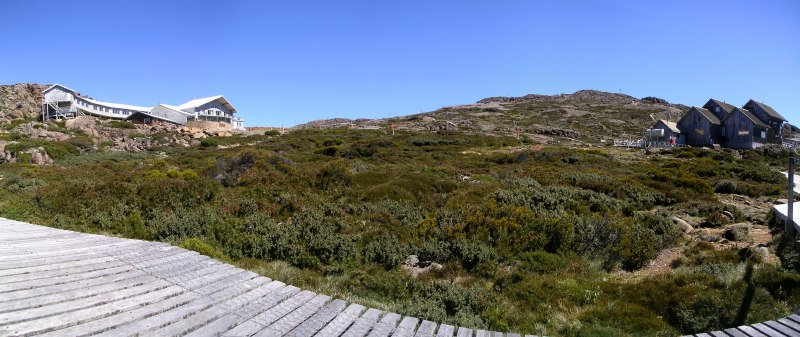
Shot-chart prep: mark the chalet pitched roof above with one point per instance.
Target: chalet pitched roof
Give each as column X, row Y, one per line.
column 671, row 125
column 707, row 114
column 725, row 106
column 770, row 111
column 200, row 101
column 749, row 116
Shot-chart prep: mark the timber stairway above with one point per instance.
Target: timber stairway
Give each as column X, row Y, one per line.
column 60, row 283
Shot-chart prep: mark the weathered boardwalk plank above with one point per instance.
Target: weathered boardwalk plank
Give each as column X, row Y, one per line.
column 317, row 321
column 406, row 327
column 70, row 318
column 223, row 316
column 338, row 325
column 385, row 326
column 445, row 331
column 426, row 329
column 295, row 318
column 60, row 283
column 464, row 332
column 363, row 324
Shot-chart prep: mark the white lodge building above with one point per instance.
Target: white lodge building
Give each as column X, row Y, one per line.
column 62, row 102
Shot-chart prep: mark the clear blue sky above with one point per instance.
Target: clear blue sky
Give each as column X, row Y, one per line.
column 288, row 62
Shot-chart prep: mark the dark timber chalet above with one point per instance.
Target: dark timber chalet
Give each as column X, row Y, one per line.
column 770, row 117
column 744, row 131
column 753, row 125
column 718, row 108
column 700, row 127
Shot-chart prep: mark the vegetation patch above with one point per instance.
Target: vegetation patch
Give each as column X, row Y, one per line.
column 543, row 240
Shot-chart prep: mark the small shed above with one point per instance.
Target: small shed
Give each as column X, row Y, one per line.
column 664, row 131
column 700, row 127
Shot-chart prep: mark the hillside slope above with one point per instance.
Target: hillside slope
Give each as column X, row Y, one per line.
column 586, row 116
column 21, row 100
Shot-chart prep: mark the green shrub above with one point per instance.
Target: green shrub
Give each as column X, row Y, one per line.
column 725, row 186
column 229, row 170
column 667, row 233
column 14, row 123
column 24, row 158
column 209, row 142
column 333, row 174
column 18, row 184
column 56, row 150
column 83, row 143
column 272, row 133
column 716, row 219
column 197, row 245
column 445, row 301
column 736, row 233
column 384, row 249
column 542, row 262
column 331, row 151
column 636, row 247
column 624, row 316
column 121, row 125
column 433, row 251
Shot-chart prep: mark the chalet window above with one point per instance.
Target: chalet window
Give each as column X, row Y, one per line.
column 716, row 109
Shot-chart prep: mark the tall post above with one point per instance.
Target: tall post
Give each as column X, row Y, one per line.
column 789, row 230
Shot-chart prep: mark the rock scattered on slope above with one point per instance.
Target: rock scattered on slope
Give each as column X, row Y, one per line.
column 21, row 100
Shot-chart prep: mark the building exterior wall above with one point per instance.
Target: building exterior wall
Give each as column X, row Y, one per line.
column 758, row 112
column 715, row 109
column 169, row 114
column 668, row 136
column 98, row 109
column 698, row 130
column 742, row 133
column 58, row 94
column 775, row 132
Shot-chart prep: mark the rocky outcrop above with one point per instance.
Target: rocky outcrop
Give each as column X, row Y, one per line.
column 37, row 156
column 22, row 100
column 84, row 124
column 550, row 131
column 329, row 123
column 37, row 131
column 582, row 96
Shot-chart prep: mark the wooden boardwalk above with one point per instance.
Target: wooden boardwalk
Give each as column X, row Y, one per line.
column 61, row 283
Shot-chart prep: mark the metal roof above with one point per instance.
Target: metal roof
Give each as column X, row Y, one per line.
column 725, row 106
column 671, row 125
column 188, row 105
column 200, row 101
column 770, row 111
column 710, row 116
column 749, row 116
column 96, row 102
